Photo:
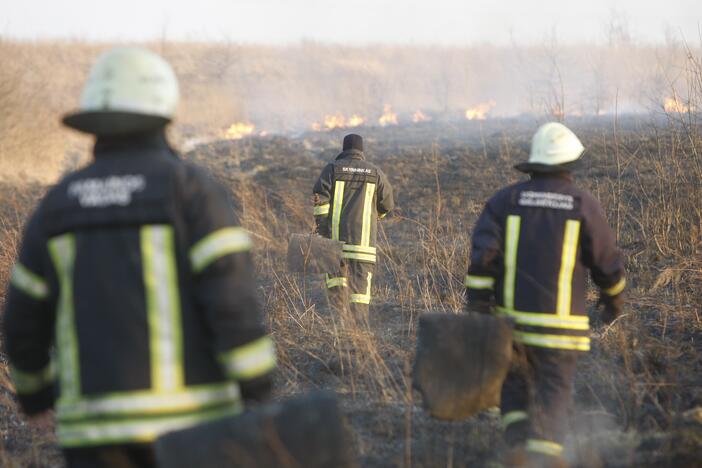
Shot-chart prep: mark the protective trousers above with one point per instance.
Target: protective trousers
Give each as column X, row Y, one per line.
column 350, row 288
column 111, row 456
column 536, row 398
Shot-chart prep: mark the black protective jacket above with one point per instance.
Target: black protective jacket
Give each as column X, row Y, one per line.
column 349, row 197
column 135, row 271
column 530, row 250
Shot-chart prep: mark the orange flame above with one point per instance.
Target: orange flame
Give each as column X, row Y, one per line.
column 355, row 121
column 674, row 105
column 480, row 111
column 239, row 130
column 420, row 116
column 388, row 117
column 338, row 121
column 334, row 121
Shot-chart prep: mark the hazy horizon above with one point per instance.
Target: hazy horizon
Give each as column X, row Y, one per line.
column 355, row 22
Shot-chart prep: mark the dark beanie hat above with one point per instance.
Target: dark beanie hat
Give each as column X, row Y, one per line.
column 353, row 142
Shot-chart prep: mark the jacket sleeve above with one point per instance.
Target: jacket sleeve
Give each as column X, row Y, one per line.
column 322, row 198
column 225, row 288
column 386, row 201
column 485, row 258
column 29, row 322
column 599, row 250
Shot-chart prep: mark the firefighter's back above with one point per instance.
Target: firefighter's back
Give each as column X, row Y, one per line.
column 129, row 340
column 354, row 213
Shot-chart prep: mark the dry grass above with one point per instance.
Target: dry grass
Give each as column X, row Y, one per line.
column 645, row 369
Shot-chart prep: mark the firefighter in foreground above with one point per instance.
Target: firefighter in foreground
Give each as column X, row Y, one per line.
column 530, row 250
column 136, row 270
column 350, row 196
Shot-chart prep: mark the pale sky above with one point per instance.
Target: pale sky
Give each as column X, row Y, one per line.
column 353, row 22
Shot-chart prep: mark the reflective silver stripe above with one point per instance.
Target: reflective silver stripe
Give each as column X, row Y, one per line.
column 134, row 429
column 31, row 382
column 145, row 403
column 572, row 322
column 29, row 282
column 569, row 255
column 320, row 210
column 367, row 214
column 359, row 256
column 338, row 204
column 251, row 360
column 616, row 289
column 339, row 281
column 511, row 244
column 513, row 417
column 363, row 298
column 216, row 245
column 544, row 446
column 479, row 282
column 577, row 343
column 359, row 249
column 62, row 250
column 163, row 307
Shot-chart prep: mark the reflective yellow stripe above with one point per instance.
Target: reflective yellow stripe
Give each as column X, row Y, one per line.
column 363, row 298
column 29, row 282
column 383, row 215
column 338, row 281
column 162, row 307
column 359, row 249
column 578, row 343
column 616, row 289
column 216, row 245
column 544, row 446
column 135, row 429
column 367, row 214
column 31, row 382
column 338, row 204
column 571, row 322
column 144, row 403
column 251, row 360
column 359, row 256
column 479, row 282
column 511, row 244
column 62, row 250
column 513, row 417
column 565, row 276
column 320, row 210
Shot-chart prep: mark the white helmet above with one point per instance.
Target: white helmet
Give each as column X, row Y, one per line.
column 129, row 90
column 554, row 147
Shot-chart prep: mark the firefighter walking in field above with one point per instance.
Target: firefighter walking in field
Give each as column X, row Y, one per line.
column 350, row 196
column 136, row 271
column 531, row 248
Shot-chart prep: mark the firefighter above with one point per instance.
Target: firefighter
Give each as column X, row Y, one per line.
column 136, row 270
column 350, row 196
column 531, row 248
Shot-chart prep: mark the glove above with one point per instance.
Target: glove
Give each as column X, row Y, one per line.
column 480, row 307
column 611, row 307
column 258, row 389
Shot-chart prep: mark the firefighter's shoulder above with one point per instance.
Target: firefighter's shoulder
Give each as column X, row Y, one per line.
column 506, row 195
column 194, row 179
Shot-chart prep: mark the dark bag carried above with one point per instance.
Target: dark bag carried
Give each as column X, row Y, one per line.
column 310, row 253
column 461, row 362
column 305, row 432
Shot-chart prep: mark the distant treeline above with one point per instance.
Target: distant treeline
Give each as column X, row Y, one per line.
column 290, row 88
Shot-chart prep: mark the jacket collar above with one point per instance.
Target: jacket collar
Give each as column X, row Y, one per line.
column 125, row 145
column 564, row 175
column 351, row 154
